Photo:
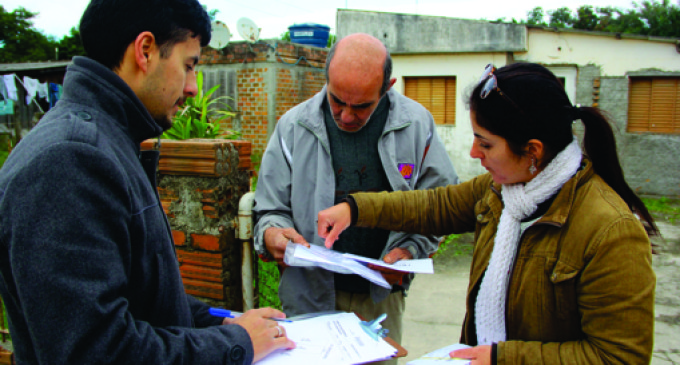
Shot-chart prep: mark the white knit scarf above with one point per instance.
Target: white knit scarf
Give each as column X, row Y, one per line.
column 520, row 201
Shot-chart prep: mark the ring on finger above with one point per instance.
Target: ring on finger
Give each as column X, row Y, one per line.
column 278, row 328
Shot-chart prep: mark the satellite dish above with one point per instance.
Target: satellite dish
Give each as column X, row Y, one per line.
column 248, row 30
column 220, row 35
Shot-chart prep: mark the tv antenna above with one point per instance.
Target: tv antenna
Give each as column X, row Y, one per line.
column 248, row 30
column 220, row 35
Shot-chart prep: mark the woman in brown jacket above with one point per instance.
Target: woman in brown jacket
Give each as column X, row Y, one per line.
column 561, row 270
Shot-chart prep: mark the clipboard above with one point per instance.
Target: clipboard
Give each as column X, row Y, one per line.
column 337, row 339
column 373, row 330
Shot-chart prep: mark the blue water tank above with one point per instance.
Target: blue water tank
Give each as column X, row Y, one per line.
column 310, row 34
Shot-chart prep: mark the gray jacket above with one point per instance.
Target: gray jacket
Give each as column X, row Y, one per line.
column 296, row 181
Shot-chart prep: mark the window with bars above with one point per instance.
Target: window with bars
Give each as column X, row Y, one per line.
column 436, row 94
column 654, row 105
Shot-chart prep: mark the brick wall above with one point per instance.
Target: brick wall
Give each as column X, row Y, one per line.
column 200, row 183
column 264, row 80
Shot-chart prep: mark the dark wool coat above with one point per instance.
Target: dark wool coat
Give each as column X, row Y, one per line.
column 89, row 273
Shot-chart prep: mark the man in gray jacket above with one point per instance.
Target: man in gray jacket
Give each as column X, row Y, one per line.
column 88, row 267
column 355, row 135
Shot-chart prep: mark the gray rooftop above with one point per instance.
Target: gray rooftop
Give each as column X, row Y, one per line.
column 32, row 66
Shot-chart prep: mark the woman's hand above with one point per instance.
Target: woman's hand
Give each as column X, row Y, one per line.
column 333, row 221
column 479, row 355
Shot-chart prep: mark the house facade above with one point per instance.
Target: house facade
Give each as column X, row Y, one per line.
column 635, row 79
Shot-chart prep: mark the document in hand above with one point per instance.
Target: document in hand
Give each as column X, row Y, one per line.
column 441, row 356
column 334, row 339
column 344, row 263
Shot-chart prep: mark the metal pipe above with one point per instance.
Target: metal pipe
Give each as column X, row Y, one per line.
column 245, row 234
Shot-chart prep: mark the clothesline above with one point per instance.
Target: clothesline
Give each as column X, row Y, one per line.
column 33, row 99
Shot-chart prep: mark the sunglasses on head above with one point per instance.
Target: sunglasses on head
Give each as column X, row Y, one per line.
column 491, row 83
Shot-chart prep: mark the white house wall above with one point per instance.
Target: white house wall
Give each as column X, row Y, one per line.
column 467, row 68
column 596, row 68
column 615, row 57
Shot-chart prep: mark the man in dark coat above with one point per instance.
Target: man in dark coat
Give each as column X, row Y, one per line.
column 89, row 273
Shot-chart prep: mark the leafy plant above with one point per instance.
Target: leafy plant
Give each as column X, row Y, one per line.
column 268, row 284
column 199, row 118
column 256, row 158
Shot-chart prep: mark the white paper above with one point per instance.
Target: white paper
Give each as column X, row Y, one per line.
column 336, row 339
column 441, row 356
column 421, row 266
column 299, row 255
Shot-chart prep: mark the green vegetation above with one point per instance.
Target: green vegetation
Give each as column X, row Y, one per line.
column 4, row 149
column 646, row 18
column 256, row 159
column 198, row 120
column 20, row 42
column 663, row 208
column 268, row 272
column 285, row 36
column 268, row 284
column 455, row 245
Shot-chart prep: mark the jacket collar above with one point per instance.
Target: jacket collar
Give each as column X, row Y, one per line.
column 564, row 202
column 92, row 85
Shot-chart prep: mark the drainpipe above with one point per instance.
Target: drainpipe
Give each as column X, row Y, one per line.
column 245, row 234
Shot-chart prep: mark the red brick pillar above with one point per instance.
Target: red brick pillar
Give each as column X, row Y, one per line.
column 200, row 183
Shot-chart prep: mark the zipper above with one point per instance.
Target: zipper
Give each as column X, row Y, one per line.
column 325, row 147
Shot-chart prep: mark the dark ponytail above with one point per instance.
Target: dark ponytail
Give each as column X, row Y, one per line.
column 600, row 146
column 530, row 102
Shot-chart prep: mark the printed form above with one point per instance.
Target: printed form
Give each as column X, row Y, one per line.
column 345, row 263
column 336, row 339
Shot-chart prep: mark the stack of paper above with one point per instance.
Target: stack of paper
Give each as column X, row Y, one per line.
column 334, row 339
column 299, row 255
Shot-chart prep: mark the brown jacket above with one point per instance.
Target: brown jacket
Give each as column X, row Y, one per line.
column 582, row 287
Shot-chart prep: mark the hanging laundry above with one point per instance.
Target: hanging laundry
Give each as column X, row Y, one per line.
column 31, row 86
column 3, row 89
column 7, row 107
column 42, row 90
column 10, row 86
column 55, row 91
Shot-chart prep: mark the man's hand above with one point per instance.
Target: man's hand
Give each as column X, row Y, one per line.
column 480, row 355
column 265, row 334
column 276, row 239
column 393, row 276
column 332, row 221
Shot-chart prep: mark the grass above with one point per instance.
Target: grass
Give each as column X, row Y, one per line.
column 268, row 284
column 455, row 245
column 663, row 208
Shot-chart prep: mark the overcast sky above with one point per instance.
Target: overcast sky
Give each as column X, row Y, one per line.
column 274, row 17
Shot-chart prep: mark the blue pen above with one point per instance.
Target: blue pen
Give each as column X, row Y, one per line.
column 219, row 312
